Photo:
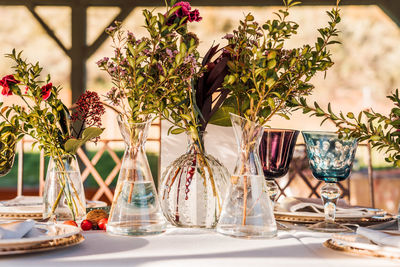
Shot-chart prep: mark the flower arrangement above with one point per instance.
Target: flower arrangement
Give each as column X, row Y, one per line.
column 45, row 117
column 263, row 75
column 162, row 74
column 381, row 131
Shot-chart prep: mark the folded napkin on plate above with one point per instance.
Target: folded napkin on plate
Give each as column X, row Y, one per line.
column 379, row 238
column 15, row 230
column 314, row 205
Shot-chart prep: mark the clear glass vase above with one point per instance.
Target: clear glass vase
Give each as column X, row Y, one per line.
column 247, row 210
column 193, row 187
column 64, row 196
column 7, row 154
column 135, row 209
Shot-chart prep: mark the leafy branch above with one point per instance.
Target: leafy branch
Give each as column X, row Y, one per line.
column 263, row 75
column 381, row 131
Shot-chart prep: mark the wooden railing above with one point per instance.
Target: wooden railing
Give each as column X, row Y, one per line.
column 89, row 165
column 299, row 170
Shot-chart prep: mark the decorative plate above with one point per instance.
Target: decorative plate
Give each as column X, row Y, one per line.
column 45, row 237
column 308, row 217
column 30, row 207
column 363, row 249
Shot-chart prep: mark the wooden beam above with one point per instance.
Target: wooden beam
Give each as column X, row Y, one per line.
column 392, row 9
column 113, row 3
column 123, row 14
column 78, row 50
column 48, row 30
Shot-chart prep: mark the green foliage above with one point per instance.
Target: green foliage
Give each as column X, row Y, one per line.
column 72, row 145
column 263, row 75
column 153, row 74
column 46, row 120
column 382, row 132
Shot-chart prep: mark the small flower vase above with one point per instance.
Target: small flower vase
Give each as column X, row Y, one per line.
column 64, row 196
column 193, row 187
column 247, row 210
column 7, row 155
column 135, row 208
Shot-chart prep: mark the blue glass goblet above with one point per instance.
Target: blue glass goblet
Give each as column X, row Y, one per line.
column 331, row 160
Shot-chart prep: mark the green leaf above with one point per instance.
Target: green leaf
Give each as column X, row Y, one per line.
column 271, row 63
column 249, row 17
column 72, row 145
column 375, row 138
column 222, row 117
column 177, row 131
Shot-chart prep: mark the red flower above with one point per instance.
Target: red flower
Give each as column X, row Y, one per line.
column 194, row 16
column 183, row 12
column 89, row 110
column 6, row 83
column 46, row 91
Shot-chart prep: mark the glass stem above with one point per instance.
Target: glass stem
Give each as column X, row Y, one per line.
column 273, row 190
column 330, row 193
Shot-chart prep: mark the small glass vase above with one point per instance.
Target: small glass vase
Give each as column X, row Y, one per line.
column 135, row 208
column 64, row 196
column 193, row 187
column 7, row 154
column 247, row 210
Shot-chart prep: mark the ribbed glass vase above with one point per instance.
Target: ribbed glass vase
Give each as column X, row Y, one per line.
column 193, row 187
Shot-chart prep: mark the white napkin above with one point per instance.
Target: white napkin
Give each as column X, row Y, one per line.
column 15, row 230
column 379, row 238
column 291, row 204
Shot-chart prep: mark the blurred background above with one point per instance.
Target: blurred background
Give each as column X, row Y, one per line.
column 367, row 68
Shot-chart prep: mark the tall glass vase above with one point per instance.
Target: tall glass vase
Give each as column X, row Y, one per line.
column 247, row 210
column 135, row 209
column 64, row 196
column 193, row 187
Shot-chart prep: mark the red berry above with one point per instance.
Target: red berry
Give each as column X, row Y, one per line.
column 102, row 224
column 73, row 223
column 86, row 225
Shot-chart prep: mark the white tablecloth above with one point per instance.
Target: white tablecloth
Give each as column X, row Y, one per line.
column 188, row 247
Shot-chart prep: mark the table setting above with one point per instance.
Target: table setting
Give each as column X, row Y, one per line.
column 201, row 214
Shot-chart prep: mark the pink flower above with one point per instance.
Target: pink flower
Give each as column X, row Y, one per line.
column 194, row 16
column 184, row 11
column 46, row 91
column 6, row 83
column 228, row 36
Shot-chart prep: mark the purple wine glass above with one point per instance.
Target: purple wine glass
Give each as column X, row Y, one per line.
column 276, row 153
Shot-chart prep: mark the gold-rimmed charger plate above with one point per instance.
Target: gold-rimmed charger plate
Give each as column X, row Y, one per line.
column 314, row 218
column 21, row 216
column 50, row 237
column 44, row 246
column 363, row 250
